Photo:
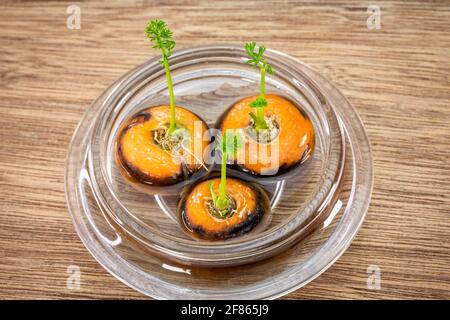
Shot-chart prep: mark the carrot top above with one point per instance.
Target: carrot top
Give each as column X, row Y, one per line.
column 258, row 61
column 158, row 33
column 229, row 143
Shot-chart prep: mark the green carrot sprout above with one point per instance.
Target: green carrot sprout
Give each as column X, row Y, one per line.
column 158, row 33
column 258, row 61
column 230, row 143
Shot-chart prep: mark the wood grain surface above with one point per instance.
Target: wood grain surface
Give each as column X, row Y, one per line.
column 397, row 77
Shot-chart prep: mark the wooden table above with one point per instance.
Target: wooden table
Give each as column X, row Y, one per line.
column 397, row 77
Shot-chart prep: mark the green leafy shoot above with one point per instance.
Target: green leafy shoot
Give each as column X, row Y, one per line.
column 258, row 61
column 161, row 37
column 259, row 104
column 229, row 144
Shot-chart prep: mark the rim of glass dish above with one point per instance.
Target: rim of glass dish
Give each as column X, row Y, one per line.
column 286, row 281
column 179, row 248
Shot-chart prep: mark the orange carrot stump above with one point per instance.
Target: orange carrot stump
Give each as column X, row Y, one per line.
column 277, row 135
column 249, row 204
column 223, row 208
column 146, row 153
column 162, row 145
column 288, row 142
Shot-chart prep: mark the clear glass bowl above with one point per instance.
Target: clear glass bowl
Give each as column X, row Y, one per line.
column 317, row 208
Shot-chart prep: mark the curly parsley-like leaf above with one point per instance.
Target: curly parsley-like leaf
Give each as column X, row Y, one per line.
column 159, row 33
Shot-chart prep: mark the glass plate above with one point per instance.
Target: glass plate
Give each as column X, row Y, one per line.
column 317, row 208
